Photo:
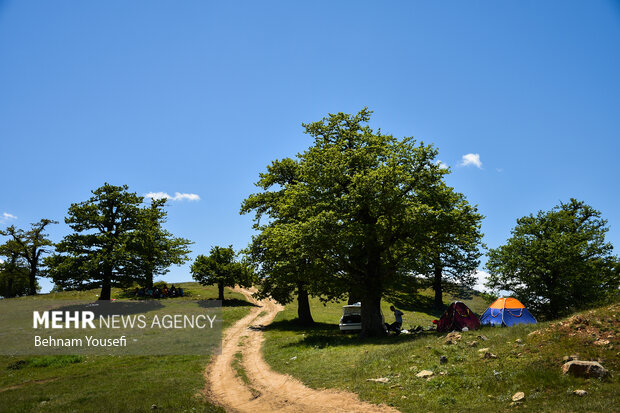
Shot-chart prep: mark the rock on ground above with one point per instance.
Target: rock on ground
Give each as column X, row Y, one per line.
column 587, row 369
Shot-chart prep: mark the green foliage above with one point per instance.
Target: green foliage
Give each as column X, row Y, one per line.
column 155, row 248
column 453, row 245
column 355, row 213
column 220, row 267
column 13, row 279
column 557, row 261
column 98, row 252
column 116, row 243
column 25, row 249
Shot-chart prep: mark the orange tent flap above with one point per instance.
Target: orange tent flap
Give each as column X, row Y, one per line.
column 498, row 304
column 510, row 302
column 513, row 303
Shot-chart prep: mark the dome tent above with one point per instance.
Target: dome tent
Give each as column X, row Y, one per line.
column 457, row 316
column 507, row 312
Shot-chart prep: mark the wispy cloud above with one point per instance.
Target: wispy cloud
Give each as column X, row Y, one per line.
column 178, row 196
column 442, row 165
column 471, row 159
column 5, row 217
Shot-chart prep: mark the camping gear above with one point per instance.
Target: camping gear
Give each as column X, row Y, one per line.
column 507, row 312
column 457, row 317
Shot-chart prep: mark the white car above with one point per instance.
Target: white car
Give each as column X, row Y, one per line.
column 351, row 319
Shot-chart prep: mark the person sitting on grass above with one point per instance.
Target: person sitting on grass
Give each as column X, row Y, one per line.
column 172, row 291
column 396, row 325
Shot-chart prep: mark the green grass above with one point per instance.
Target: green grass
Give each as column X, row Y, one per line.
column 326, row 358
column 112, row 383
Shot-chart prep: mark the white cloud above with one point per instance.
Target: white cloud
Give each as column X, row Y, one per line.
column 177, row 196
column 482, row 277
column 6, row 217
column 471, row 159
column 442, row 165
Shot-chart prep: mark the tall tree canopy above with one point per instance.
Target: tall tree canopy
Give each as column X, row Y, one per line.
column 358, row 211
column 557, row 261
column 116, row 242
column 220, row 267
column 29, row 245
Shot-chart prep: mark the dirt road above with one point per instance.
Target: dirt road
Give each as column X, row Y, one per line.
column 268, row 391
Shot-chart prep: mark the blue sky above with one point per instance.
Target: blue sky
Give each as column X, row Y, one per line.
column 197, row 97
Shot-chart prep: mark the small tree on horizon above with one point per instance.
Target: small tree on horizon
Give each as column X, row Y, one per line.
column 221, row 268
column 557, row 261
column 30, row 245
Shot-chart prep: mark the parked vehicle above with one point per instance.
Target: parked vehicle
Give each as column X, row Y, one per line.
column 351, row 319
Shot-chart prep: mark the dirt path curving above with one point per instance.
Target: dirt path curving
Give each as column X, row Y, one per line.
column 267, row 390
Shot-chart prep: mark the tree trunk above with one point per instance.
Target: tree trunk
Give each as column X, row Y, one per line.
column 372, row 322
column 220, row 291
column 372, row 284
column 437, row 286
column 33, row 278
column 106, row 284
column 149, row 279
column 303, row 306
column 106, row 289
column 10, row 288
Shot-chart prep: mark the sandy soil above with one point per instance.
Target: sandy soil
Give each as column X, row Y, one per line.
column 268, row 391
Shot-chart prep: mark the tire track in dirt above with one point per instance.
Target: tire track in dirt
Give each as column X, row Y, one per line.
column 268, row 390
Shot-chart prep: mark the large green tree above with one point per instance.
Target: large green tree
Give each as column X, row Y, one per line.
column 155, row 249
column 360, row 208
column 557, row 261
column 220, row 267
column 30, row 245
column 454, row 243
column 99, row 252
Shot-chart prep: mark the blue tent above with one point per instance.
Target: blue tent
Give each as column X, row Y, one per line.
column 507, row 312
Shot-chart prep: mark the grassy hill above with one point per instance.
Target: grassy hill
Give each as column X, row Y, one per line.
column 111, row 383
column 529, row 360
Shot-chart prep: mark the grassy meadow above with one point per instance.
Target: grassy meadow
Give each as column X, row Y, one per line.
column 529, row 360
column 112, row 383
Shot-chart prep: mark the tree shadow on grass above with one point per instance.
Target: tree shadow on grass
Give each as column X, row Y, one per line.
column 414, row 302
column 322, row 335
column 229, row 302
